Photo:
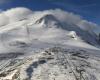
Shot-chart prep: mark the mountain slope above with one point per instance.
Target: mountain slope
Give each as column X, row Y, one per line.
column 44, row 30
column 53, row 64
column 73, row 49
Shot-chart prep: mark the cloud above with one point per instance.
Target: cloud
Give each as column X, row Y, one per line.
column 17, row 14
column 71, row 18
column 64, row 16
column 13, row 15
column 4, row 20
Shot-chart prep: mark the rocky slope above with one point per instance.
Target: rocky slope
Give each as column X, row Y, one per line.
column 53, row 64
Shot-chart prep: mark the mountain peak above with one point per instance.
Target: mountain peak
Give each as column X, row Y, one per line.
column 48, row 20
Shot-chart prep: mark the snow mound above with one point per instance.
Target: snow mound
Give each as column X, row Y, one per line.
column 48, row 20
column 73, row 35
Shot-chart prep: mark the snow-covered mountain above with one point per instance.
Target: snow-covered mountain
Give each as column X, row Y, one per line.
column 24, row 32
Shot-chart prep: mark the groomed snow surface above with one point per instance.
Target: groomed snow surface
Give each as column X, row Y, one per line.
column 73, row 46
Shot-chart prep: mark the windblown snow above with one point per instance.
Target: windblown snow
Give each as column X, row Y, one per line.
column 47, row 45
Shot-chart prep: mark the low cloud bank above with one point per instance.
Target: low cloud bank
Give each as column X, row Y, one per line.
column 17, row 14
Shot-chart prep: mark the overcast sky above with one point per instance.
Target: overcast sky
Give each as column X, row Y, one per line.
column 89, row 9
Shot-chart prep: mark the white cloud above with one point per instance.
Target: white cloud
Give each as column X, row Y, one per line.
column 64, row 16
column 16, row 14
column 3, row 19
column 13, row 15
column 71, row 18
